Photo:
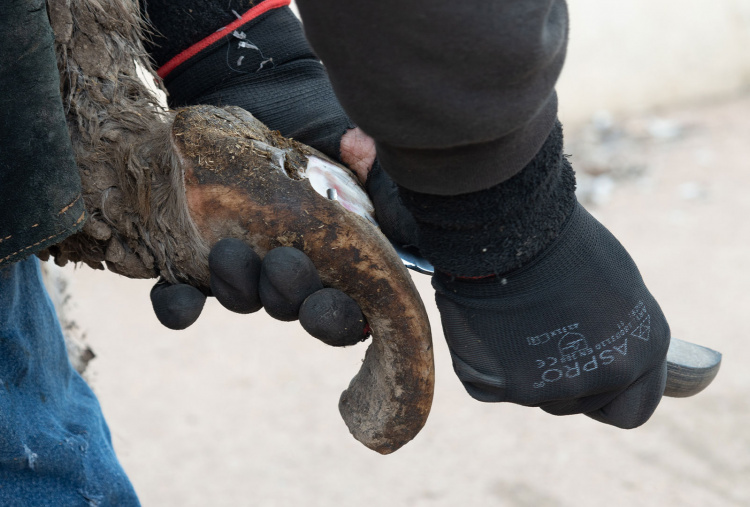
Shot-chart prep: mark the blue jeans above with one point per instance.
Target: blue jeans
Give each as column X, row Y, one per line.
column 55, row 447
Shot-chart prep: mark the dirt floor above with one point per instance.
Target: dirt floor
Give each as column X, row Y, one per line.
column 242, row 410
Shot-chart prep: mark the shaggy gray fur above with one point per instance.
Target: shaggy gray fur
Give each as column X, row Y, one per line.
column 133, row 186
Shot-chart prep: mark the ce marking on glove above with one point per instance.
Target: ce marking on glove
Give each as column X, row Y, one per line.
column 572, row 346
column 575, row 350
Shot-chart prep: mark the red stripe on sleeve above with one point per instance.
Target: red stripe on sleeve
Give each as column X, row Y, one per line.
column 193, row 50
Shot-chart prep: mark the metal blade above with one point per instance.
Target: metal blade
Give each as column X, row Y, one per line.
column 690, row 368
column 413, row 261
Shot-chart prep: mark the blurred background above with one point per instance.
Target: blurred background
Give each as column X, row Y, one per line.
column 242, row 410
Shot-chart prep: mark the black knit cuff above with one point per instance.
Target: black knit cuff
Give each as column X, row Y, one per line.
column 501, row 228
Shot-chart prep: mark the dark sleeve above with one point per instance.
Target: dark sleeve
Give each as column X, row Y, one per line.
column 39, row 182
column 459, row 96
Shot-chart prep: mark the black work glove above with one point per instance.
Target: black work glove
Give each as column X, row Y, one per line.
column 540, row 304
column 286, row 283
column 574, row 331
column 266, row 67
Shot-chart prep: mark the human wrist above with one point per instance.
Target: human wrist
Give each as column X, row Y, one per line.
column 501, row 228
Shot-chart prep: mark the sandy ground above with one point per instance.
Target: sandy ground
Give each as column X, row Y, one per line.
column 241, row 410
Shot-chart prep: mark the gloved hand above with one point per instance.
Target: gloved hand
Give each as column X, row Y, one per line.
column 266, row 66
column 574, row 331
column 540, row 304
column 286, row 283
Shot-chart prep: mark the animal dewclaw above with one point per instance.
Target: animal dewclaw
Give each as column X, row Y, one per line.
column 161, row 187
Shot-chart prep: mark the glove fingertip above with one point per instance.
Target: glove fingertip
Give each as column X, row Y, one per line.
column 287, row 278
column 235, row 272
column 235, row 299
column 177, row 306
column 276, row 305
column 333, row 317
